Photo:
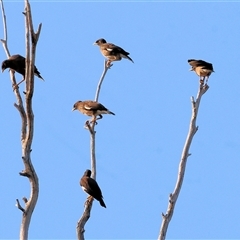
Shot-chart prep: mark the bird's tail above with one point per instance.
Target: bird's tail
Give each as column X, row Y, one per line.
column 129, row 59
column 102, row 203
column 109, row 112
column 39, row 76
column 37, row 73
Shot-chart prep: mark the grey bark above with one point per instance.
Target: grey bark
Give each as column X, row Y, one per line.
column 24, row 106
column 166, row 218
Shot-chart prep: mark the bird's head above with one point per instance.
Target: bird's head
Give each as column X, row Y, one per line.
column 100, row 41
column 87, row 173
column 4, row 65
column 75, row 106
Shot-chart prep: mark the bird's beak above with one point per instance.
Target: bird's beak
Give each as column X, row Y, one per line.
column 73, row 109
column 95, row 43
column 3, row 70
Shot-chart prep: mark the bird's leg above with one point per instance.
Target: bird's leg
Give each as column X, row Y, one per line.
column 108, row 64
column 94, row 120
column 100, row 117
column 202, row 80
column 207, row 79
column 16, row 85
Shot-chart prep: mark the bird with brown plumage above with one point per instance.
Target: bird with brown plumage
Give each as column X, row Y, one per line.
column 111, row 51
column 202, row 68
column 90, row 186
column 91, row 108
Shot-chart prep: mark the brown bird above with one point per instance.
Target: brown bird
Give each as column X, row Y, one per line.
column 90, row 186
column 17, row 63
column 203, row 69
column 92, row 109
column 111, row 51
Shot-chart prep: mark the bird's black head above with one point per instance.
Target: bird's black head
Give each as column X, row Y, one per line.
column 100, row 41
column 4, row 65
column 87, row 173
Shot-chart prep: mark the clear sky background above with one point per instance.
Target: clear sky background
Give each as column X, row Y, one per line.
column 139, row 149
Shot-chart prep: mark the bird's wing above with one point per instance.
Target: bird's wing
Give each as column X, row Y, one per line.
column 94, row 106
column 97, row 193
column 114, row 49
column 193, row 62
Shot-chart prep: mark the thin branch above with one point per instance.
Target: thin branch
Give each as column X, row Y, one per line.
column 19, row 104
column 166, row 218
column 90, row 126
column 18, row 205
column 4, row 41
column 106, row 67
column 83, row 220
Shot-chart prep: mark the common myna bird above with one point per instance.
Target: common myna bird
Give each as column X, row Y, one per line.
column 92, row 109
column 90, row 186
column 203, row 69
column 17, row 63
column 111, row 51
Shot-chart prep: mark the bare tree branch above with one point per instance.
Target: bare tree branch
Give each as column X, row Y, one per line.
column 27, row 142
column 106, row 67
column 182, row 165
column 90, row 126
column 27, row 116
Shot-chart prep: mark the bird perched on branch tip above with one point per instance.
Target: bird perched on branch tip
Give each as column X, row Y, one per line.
column 111, row 51
column 17, row 63
column 90, row 186
column 203, row 69
column 92, row 109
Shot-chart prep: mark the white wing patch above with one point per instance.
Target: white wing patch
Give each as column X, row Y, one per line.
column 87, row 108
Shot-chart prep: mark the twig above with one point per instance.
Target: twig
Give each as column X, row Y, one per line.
column 19, row 104
column 166, row 218
column 106, row 67
column 18, row 205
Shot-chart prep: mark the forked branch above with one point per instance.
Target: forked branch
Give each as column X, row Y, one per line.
column 166, row 218
column 27, row 116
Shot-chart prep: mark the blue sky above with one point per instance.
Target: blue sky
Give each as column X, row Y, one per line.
column 139, row 149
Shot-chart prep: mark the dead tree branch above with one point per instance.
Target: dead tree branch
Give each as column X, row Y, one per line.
column 166, row 218
column 26, row 114
column 90, row 126
column 27, row 141
column 106, row 67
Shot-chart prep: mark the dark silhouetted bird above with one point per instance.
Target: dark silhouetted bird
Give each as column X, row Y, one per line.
column 111, row 51
column 90, row 186
column 17, row 63
column 92, row 109
column 203, row 69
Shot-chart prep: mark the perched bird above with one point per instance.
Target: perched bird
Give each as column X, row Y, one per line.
column 17, row 63
column 92, row 109
column 90, row 186
column 111, row 51
column 203, row 69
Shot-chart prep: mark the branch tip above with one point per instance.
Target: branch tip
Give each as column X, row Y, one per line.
column 18, row 205
column 24, row 174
